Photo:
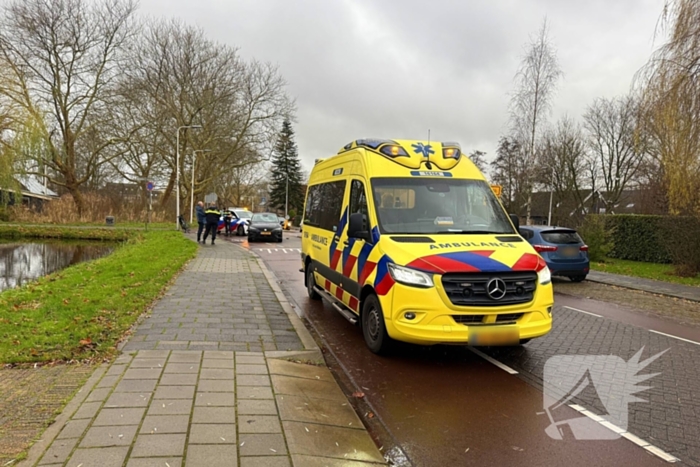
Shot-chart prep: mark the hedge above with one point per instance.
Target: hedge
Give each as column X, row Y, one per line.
column 638, row 237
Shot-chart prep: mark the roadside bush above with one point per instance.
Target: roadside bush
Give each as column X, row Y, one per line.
column 682, row 240
column 97, row 208
column 597, row 237
column 638, row 238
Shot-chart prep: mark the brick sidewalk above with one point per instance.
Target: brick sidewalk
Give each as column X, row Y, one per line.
column 686, row 292
column 222, row 373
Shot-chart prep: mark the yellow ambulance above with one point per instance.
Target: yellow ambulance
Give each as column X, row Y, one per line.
column 408, row 239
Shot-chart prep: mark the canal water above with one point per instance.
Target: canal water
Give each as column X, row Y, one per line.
column 22, row 262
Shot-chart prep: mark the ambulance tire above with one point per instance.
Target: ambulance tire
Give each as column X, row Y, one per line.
column 373, row 326
column 311, row 283
column 240, row 231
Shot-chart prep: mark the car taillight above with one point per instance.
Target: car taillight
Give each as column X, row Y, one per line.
column 544, row 248
column 584, row 248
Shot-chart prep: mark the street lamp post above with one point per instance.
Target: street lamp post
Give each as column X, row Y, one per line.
column 551, row 195
column 286, row 198
column 177, row 171
column 194, row 160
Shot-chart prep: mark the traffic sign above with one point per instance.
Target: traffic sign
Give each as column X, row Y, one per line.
column 149, row 186
column 497, row 190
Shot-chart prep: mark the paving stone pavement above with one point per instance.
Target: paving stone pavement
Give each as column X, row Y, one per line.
column 222, row 301
column 221, row 373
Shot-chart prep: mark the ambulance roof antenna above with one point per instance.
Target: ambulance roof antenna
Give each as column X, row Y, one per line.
column 428, row 136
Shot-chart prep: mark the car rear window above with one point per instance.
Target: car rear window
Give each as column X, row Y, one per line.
column 561, row 237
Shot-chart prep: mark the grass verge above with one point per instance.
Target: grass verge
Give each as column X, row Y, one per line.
column 660, row 272
column 82, row 312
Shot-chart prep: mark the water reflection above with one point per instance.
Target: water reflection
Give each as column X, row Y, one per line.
column 24, row 262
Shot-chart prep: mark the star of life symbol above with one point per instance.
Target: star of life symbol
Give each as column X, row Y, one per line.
column 614, row 382
column 425, row 149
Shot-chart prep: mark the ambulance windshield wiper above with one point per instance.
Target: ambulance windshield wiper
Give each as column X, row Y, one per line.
column 475, row 232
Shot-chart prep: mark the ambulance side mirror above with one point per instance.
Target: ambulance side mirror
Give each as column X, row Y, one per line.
column 515, row 220
column 357, row 227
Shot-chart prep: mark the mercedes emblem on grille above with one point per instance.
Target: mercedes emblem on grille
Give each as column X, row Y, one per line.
column 496, row 288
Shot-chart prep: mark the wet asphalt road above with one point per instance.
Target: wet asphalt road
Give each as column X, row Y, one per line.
column 449, row 406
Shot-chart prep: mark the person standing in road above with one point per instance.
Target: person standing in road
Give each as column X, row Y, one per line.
column 201, row 220
column 228, row 218
column 212, row 215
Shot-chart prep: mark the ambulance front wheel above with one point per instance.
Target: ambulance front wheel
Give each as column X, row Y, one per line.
column 373, row 326
column 240, row 231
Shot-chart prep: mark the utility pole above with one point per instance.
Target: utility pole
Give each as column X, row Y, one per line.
column 551, row 195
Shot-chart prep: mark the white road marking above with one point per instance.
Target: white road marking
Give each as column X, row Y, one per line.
column 675, row 337
column 494, row 361
column 284, row 250
column 625, row 434
column 582, row 311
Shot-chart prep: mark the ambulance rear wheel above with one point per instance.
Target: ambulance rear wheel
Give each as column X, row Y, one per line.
column 311, row 284
column 373, row 326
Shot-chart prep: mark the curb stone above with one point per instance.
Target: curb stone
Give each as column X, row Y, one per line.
column 299, row 327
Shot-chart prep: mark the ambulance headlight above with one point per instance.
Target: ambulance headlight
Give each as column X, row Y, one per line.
column 544, row 276
column 409, row 276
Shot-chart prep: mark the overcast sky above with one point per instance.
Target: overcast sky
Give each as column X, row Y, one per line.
column 395, row 68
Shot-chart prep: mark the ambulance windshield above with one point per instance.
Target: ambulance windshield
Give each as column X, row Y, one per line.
column 421, row 205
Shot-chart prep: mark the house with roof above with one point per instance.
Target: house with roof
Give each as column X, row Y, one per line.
column 569, row 209
column 32, row 192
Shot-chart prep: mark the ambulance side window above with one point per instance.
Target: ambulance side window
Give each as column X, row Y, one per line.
column 324, row 204
column 313, row 206
column 358, row 201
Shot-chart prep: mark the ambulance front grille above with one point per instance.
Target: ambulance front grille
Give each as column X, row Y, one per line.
column 472, row 319
column 469, row 289
column 508, row 317
column 468, row 319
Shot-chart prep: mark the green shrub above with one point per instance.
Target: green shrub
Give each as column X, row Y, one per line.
column 597, row 237
column 682, row 241
column 638, row 238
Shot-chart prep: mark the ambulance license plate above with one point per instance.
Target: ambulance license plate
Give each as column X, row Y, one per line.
column 493, row 335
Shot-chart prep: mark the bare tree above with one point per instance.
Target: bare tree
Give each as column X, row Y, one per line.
column 182, row 78
column 508, row 171
column 536, row 82
column 479, row 160
column 562, row 165
column 64, row 56
column 240, row 186
column 613, row 139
